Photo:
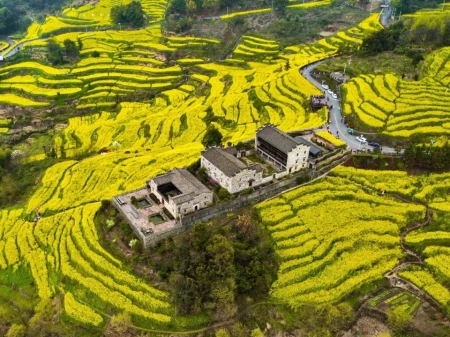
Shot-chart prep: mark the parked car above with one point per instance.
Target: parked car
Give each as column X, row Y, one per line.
column 361, row 139
column 330, row 91
column 372, row 143
column 334, row 95
column 350, row 131
column 325, row 86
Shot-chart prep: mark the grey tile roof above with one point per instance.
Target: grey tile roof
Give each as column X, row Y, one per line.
column 277, row 138
column 187, row 184
column 227, row 163
column 313, row 148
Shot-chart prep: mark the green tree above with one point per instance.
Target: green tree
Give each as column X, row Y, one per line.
column 280, row 4
column 119, row 325
column 287, row 66
column 191, row 6
column 80, row 44
column 222, row 276
column 54, row 53
column 212, row 5
column 41, row 324
column 5, row 156
column 212, row 137
column 71, row 48
column 131, row 14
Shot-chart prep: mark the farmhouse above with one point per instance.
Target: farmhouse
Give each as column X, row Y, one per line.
column 318, row 102
column 281, row 149
column 180, row 192
column 228, row 171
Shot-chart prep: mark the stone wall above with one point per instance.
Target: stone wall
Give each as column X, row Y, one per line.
column 127, row 216
column 257, row 196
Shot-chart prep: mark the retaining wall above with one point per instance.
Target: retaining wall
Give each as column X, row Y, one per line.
column 206, row 214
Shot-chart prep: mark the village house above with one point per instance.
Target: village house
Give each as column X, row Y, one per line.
column 280, row 149
column 180, row 192
column 228, row 171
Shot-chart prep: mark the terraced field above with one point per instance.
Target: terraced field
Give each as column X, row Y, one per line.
column 301, row 6
column 252, row 47
column 431, row 241
column 333, row 237
column 327, row 249
column 401, row 108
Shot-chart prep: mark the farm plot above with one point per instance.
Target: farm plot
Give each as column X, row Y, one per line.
column 75, row 254
column 403, row 108
column 252, row 47
column 332, row 238
column 431, row 241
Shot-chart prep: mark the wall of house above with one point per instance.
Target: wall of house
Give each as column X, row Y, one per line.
column 240, row 181
column 235, row 184
column 203, row 200
column 298, row 158
column 259, row 195
column 213, row 172
column 214, row 211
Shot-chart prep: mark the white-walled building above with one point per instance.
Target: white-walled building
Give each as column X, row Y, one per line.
column 230, row 172
column 280, row 149
column 180, row 192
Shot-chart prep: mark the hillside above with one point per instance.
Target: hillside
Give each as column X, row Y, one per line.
column 126, row 104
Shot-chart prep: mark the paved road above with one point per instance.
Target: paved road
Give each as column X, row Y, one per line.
column 337, row 126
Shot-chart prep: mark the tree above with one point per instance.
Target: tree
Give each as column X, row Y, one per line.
column 41, row 323
column 80, row 44
column 220, row 256
column 280, row 4
column 211, row 4
column 71, row 48
column 287, row 66
column 119, row 325
column 212, row 137
column 191, row 6
column 54, row 53
column 132, row 14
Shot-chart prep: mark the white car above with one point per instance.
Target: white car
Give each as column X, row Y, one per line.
column 325, row 86
column 361, row 139
column 330, row 91
column 334, row 95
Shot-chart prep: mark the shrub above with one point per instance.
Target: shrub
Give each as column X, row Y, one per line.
column 223, row 194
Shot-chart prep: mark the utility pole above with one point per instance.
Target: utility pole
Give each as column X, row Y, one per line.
column 443, row 5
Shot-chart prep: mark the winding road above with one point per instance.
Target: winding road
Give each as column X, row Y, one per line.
column 337, row 125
